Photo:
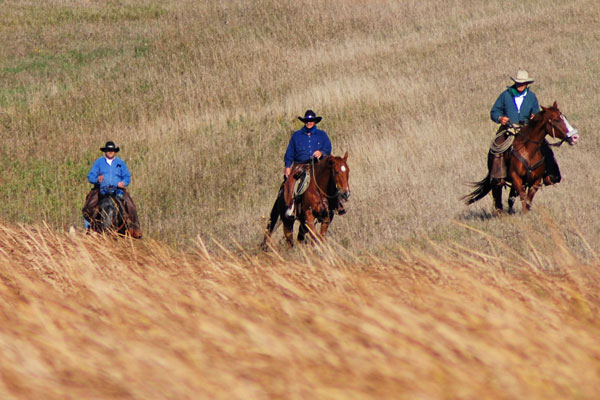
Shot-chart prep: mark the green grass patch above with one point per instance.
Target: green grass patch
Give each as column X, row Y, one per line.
column 36, row 15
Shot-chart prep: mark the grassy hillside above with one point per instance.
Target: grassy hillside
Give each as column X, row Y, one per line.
column 202, row 98
column 87, row 317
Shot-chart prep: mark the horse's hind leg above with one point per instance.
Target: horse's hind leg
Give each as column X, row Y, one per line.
column 274, row 221
column 288, row 231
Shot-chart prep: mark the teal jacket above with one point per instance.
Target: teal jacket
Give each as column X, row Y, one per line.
column 505, row 105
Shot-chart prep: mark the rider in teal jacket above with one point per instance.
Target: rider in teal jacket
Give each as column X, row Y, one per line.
column 517, row 105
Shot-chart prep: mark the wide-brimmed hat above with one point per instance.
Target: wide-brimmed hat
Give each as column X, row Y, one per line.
column 522, row 77
column 110, row 146
column 310, row 116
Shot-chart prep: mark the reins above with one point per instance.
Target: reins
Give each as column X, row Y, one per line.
column 321, row 191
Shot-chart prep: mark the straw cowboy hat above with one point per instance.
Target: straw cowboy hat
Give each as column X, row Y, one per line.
column 310, row 116
column 522, row 77
column 110, row 146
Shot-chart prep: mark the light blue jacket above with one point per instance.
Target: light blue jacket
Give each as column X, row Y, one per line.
column 113, row 174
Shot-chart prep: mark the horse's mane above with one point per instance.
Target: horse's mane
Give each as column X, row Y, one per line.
column 537, row 120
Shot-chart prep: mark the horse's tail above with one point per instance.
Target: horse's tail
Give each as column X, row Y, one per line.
column 274, row 218
column 483, row 187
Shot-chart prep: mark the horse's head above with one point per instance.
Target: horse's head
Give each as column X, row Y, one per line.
column 557, row 126
column 110, row 214
column 340, row 172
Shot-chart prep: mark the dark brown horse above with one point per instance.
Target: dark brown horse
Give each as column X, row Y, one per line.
column 328, row 185
column 525, row 161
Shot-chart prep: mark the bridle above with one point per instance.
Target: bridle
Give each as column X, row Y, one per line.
column 338, row 192
column 553, row 134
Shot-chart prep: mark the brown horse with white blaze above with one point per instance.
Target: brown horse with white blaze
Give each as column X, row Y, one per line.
column 525, row 161
column 328, row 186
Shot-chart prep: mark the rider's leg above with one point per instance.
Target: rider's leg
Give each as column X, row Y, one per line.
column 130, row 208
column 552, row 174
column 89, row 208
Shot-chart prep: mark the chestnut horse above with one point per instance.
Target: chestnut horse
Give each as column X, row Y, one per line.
column 525, row 162
column 328, row 184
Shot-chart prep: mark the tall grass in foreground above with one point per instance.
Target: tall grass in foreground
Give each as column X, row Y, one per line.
column 90, row 317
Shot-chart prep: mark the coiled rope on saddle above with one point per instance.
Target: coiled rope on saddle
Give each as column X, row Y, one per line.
column 504, row 139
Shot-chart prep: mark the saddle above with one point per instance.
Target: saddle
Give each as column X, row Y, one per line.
column 302, row 180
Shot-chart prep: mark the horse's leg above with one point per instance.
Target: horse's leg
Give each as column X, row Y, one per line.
column 531, row 192
column 302, row 231
column 511, row 199
column 324, row 226
column 519, row 188
column 310, row 224
column 274, row 220
column 288, row 231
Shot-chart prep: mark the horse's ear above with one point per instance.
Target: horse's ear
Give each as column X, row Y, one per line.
column 346, row 156
column 554, row 105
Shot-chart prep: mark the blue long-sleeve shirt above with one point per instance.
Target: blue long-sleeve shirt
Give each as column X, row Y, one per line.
column 505, row 105
column 304, row 143
column 113, row 174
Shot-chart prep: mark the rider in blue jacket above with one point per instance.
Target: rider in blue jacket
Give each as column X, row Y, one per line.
column 110, row 173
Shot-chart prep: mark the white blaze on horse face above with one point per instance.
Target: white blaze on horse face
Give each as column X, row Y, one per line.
column 572, row 133
column 343, row 168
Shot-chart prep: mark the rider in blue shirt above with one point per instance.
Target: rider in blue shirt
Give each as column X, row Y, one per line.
column 305, row 144
column 110, row 173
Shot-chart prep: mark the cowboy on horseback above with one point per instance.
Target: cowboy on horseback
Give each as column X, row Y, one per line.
column 110, row 173
column 514, row 108
column 305, row 144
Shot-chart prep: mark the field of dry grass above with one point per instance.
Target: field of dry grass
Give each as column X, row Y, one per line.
column 88, row 317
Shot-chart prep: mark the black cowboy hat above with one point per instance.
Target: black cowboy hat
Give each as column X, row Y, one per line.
column 310, row 116
column 110, row 146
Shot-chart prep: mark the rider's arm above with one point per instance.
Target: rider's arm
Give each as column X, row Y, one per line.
column 498, row 109
column 535, row 106
column 94, row 173
column 125, row 174
column 290, row 153
column 326, row 148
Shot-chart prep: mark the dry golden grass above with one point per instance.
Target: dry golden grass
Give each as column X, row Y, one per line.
column 90, row 317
